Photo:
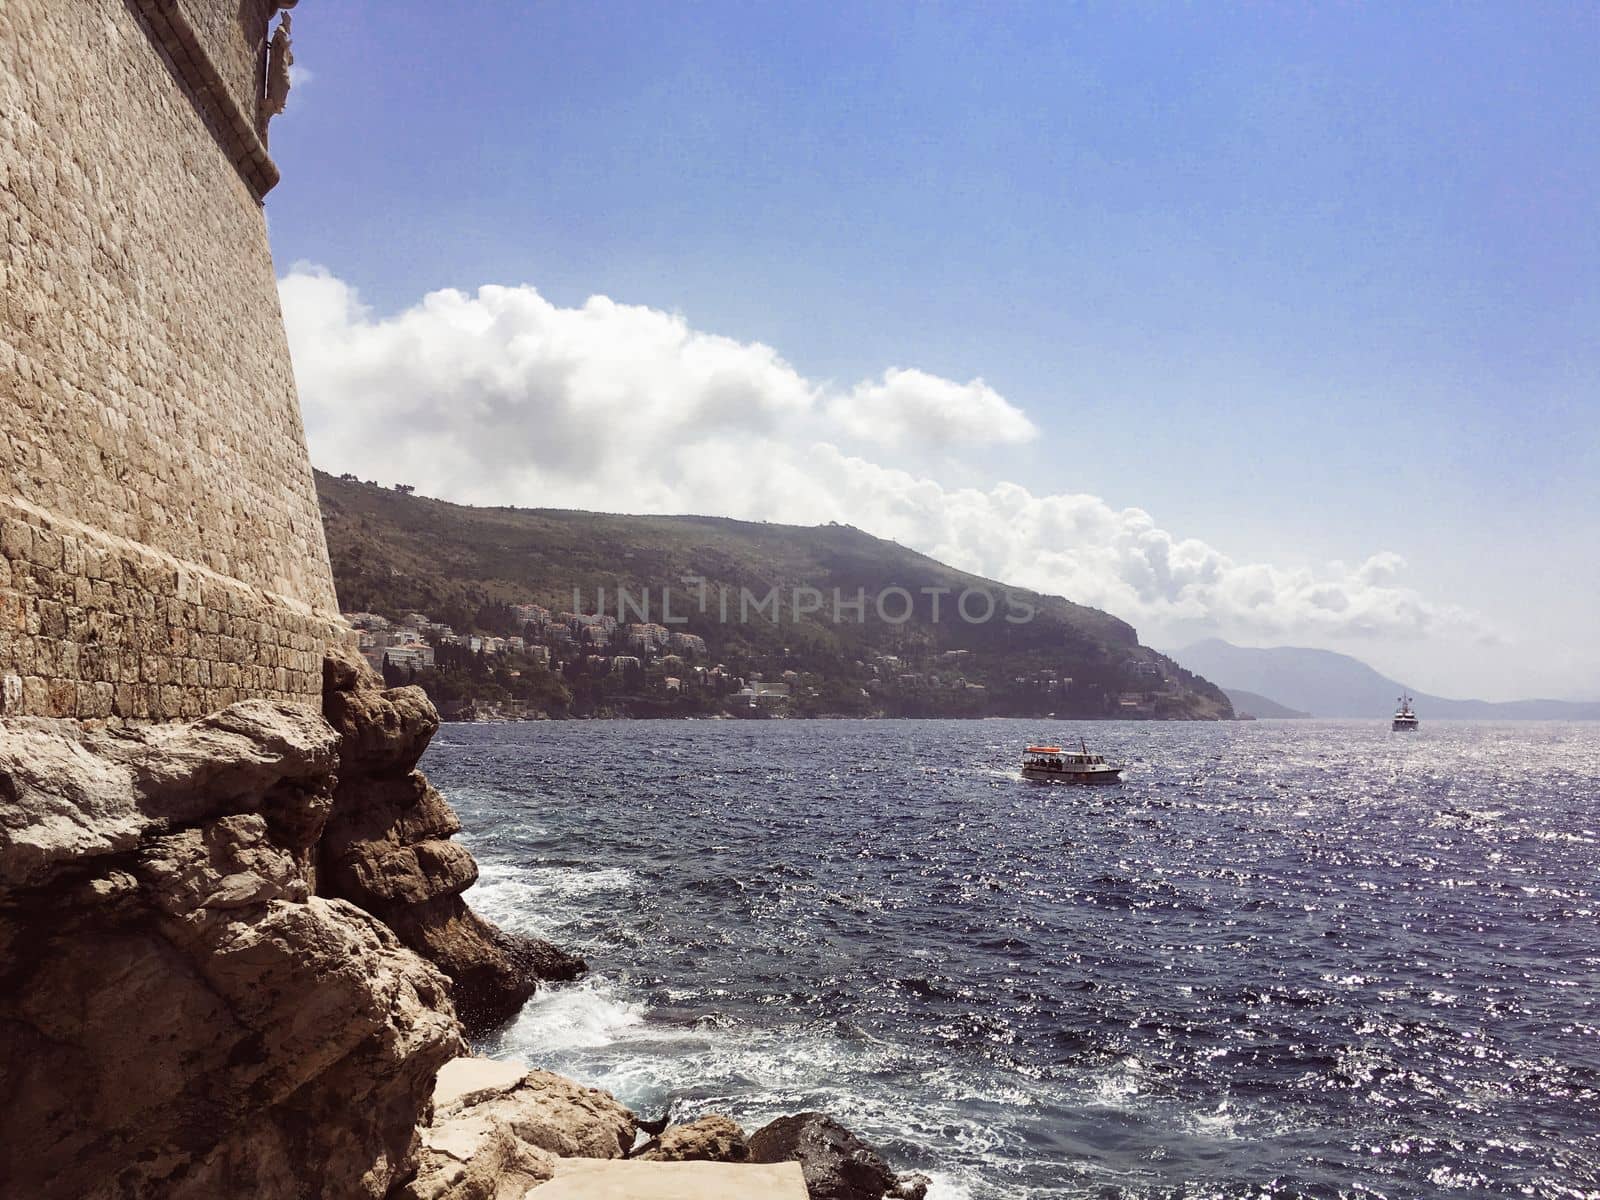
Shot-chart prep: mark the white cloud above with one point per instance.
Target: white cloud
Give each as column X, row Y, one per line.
column 506, row 398
column 908, row 405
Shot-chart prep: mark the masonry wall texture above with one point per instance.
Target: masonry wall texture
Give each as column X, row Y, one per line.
column 161, row 552
column 232, row 36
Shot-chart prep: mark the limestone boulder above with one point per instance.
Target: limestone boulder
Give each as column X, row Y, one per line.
column 395, row 810
column 382, row 732
column 476, row 1156
column 566, row 1118
column 535, row 957
column 837, row 1164
column 498, row 1128
column 222, row 761
column 492, row 972
column 69, row 793
column 711, row 1138
column 344, row 670
column 408, row 874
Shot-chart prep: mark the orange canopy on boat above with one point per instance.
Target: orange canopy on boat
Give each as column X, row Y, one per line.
column 1043, row 750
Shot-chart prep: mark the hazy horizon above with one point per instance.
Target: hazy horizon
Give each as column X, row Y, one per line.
column 1177, row 654
column 1274, row 326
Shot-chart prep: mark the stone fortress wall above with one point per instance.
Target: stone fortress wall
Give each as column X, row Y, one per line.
column 161, row 549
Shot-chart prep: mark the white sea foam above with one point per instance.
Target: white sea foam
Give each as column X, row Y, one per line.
column 542, row 900
column 569, row 881
column 944, row 1186
column 1221, row 1124
column 503, row 896
column 579, row 1016
column 1118, row 1086
column 961, row 1086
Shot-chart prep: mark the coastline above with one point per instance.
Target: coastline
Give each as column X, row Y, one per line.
column 616, row 716
column 266, row 906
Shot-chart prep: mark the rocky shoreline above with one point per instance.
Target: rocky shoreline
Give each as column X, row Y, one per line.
column 499, row 1128
column 235, row 959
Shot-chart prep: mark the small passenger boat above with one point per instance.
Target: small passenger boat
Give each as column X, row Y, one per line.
column 1054, row 765
column 1405, row 717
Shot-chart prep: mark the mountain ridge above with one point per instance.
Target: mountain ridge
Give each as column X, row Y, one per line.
column 1251, row 704
column 394, row 553
column 1325, row 683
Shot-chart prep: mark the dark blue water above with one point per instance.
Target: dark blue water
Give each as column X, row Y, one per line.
column 1284, row 959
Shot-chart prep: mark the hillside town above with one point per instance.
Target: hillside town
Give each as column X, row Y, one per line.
column 626, row 663
column 559, row 664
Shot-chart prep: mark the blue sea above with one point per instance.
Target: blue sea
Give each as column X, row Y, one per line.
column 1282, row 959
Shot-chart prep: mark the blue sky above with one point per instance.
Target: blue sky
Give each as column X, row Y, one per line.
column 1306, row 284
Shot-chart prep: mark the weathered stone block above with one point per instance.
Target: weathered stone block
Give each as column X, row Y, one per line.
column 47, row 549
column 63, row 701
column 16, row 540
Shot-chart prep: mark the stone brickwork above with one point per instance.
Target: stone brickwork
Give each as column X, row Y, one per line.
column 161, row 549
column 231, row 37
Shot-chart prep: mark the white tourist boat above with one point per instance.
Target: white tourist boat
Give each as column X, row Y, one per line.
column 1055, row 765
column 1405, row 716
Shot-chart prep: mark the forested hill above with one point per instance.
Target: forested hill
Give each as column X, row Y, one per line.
column 396, row 553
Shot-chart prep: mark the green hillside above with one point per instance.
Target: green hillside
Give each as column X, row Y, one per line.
column 394, row 553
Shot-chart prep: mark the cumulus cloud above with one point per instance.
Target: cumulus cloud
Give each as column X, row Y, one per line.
column 503, row 397
column 908, row 406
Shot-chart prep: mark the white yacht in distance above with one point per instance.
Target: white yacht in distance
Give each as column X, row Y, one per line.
column 1053, row 764
column 1404, row 716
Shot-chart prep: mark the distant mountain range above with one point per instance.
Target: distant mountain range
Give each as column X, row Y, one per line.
column 1325, row 684
column 1249, row 704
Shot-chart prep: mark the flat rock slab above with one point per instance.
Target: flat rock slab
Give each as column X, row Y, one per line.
column 465, row 1080
column 636, row 1179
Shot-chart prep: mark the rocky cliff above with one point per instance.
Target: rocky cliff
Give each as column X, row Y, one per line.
column 235, row 961
column 387, row 848
column 233, row 951
column 181, row 1015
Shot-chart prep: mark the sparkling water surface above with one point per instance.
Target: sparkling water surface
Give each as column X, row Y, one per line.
column 1282, row 959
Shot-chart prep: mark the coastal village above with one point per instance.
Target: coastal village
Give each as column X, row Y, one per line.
column 641, row 661
column 632, row 660
column 646, row 668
